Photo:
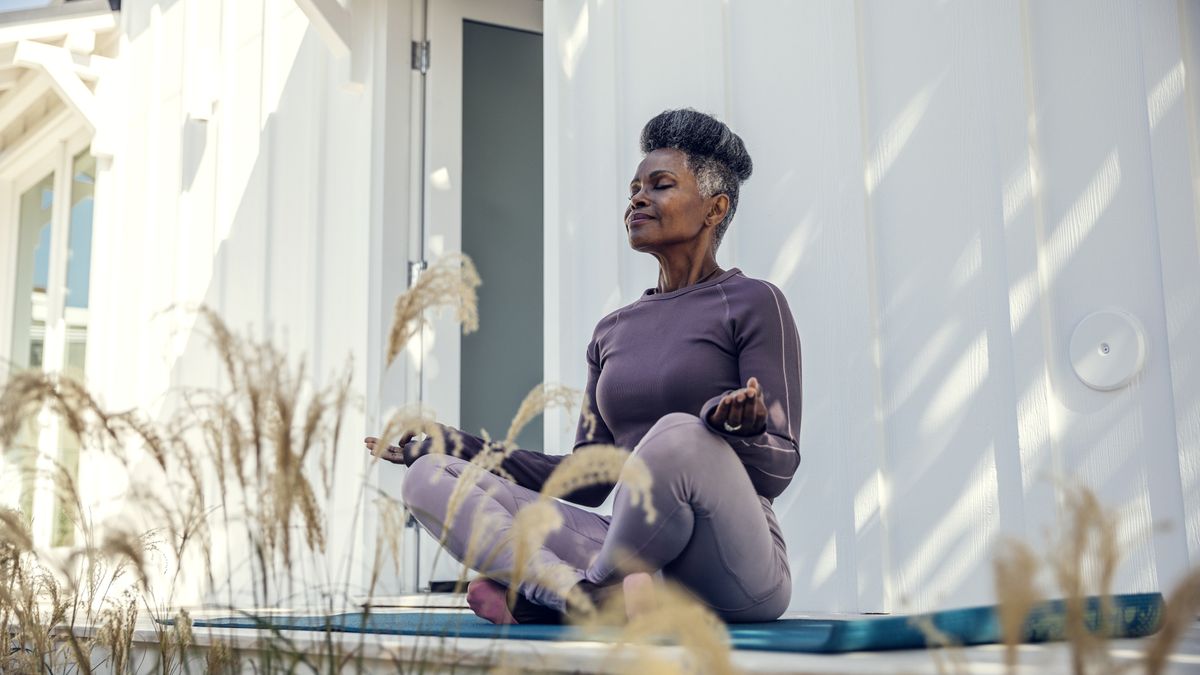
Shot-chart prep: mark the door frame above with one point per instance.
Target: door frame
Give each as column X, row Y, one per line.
column 441, row 369
column 440, row 343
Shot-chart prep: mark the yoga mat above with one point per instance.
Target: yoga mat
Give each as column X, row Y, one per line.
column 1133, row 615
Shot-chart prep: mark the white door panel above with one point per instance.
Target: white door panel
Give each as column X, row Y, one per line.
column 443, row 200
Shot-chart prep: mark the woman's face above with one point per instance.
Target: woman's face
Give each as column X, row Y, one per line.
column 665, row 204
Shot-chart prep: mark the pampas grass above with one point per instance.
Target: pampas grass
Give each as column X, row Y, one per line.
column 1183, row 605
column 449, row 282
column 538, row 399
column 116, row 631
column 533, row 523
column 589, row 465
column 417, row 419
column 264, row 447
column 600, row 464
column 1083, row 564
column 1083, row 561
column 1015, row 569
column 221, row 659
column 941, row 643
column 259, row 440
column 674, row 614
column 392, row 517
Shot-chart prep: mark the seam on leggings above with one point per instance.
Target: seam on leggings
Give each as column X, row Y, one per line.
column 581, row 534
column 650, row 537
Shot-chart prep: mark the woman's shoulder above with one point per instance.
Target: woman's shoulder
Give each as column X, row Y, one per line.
column 604, row 325
column 752, row 293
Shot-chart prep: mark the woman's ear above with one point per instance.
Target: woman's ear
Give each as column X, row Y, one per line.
column 717, row 209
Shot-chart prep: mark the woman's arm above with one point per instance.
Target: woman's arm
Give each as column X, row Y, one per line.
column 528, row 468
column 768, row 345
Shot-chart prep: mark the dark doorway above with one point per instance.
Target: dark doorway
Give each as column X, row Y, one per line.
column 502, row 225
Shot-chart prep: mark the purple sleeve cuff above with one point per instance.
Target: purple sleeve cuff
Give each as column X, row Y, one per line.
column 707, row 409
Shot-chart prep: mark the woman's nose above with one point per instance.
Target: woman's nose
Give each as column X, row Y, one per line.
column 638, row 198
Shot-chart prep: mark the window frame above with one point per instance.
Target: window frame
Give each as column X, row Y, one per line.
column 50, row 150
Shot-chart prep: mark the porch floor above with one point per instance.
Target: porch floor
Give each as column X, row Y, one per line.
column 402, row 653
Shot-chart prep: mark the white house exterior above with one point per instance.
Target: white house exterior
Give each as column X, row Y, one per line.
column 944, row 192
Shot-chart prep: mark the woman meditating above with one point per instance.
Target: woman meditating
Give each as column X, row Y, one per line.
column 700, row 377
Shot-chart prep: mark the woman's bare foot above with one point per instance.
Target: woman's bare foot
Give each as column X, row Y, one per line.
column 487, row 599
column 639, row 594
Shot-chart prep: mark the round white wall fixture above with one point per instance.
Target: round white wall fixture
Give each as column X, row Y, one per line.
column 1108, row 348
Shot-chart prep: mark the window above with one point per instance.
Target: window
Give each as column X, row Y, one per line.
column 49, row 329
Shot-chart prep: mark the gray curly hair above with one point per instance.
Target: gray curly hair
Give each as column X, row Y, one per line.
column 714, row 153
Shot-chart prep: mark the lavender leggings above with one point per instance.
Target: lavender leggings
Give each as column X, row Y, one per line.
column 712, row 533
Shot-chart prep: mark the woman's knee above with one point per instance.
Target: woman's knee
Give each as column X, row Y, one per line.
column 681, row 441
column 422, row 477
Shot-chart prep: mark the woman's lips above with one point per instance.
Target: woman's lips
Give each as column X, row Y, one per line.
column 639, row 219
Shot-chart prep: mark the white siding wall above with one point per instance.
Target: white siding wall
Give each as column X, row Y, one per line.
column 943, row 191
column 285, row 209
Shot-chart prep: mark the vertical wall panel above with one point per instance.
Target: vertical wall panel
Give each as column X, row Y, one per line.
column 1027, row 495
column 1099, row 250
column 655, row 72
column 1187, row 399
column 932, row 199
column 293, row 127
column 242, row 253
column 232, row 204
column 806, row 198
column 584, row 236
column 1167, row 68
column 198, row 133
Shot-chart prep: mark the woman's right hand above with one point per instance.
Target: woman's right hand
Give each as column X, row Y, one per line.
column 393, row 453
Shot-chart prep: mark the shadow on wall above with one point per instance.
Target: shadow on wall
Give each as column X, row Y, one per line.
column 288, row 236
column 958, row 309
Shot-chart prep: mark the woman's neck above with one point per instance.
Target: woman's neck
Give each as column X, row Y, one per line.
column 685, row 273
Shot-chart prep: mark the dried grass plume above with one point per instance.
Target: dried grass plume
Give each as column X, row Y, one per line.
column 450, row 281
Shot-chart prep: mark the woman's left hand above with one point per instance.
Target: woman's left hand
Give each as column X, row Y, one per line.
column 742, row 412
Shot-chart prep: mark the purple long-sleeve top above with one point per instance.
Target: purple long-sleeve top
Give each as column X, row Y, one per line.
column 682, row 352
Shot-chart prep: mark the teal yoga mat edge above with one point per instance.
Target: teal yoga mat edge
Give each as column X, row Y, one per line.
column 1133, row 615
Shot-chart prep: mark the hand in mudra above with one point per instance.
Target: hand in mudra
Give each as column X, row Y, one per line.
column 392, row 453
column 742, row 412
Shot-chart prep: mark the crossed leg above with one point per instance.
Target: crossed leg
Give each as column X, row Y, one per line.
column 486, row 514
column 712, row 533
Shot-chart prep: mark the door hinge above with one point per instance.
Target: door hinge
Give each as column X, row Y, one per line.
column 420, row 56
column 415, row 267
